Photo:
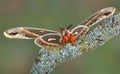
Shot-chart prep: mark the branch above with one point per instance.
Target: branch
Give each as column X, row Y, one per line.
column 48, row 59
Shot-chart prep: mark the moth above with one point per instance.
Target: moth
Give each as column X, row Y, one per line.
column 44, row 37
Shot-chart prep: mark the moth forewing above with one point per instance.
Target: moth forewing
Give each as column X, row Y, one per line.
column 26, row 32
column 103, row 14
column 99, row 16
column 16, row 33
column 51, row 39
column 17, row 36
column 95, row 18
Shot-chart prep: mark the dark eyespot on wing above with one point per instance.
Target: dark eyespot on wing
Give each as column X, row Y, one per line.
column 108, row 11
column 12, row 33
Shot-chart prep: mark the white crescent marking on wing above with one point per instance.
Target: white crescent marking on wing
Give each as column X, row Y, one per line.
column 50, row 39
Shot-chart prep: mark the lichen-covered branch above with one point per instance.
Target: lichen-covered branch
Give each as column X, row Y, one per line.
column 49, row 59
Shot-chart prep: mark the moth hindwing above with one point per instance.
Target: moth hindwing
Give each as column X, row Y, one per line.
column 51, row 39
column 79, row 30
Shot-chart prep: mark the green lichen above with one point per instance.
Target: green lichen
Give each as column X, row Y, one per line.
column 54, row 47
column 82, row 44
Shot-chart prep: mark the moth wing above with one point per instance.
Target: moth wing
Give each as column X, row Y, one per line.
column 98, row 16
column 26, row 32
column 79, row 30
column 51, row 39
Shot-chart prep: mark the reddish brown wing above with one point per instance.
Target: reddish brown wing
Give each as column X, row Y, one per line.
column 26, row 32
column 51, row 39
column 79, row 30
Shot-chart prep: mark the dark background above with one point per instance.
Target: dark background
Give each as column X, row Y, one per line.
column 16, row 56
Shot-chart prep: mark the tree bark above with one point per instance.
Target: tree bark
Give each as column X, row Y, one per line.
column 50, row 57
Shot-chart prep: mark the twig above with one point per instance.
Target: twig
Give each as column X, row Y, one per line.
column 48, row 59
